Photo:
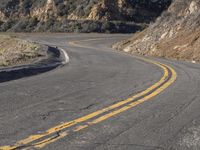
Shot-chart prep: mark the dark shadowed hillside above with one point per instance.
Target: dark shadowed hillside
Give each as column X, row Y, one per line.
column 79, row 15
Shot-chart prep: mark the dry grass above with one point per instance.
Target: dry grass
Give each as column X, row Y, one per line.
column 184, row 46
column 14, row 51
column 176, row 34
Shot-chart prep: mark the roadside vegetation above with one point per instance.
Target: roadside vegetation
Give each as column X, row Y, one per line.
column 110, row 16
column 80, row 26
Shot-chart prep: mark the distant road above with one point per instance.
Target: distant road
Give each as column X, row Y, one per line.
column 102, row 100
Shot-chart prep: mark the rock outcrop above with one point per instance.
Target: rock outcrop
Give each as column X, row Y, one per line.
column 42, row 15
column 45, row 12
column 176, row 34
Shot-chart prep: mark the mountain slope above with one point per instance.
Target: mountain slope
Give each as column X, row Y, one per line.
column 176, row 34
column 79, row 15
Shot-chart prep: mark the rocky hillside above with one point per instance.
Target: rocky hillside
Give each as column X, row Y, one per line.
column 79, row 15
column 14, row 51
column 176, row 34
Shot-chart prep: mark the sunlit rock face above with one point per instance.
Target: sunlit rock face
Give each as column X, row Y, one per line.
column 176, row 34
column 41, row 14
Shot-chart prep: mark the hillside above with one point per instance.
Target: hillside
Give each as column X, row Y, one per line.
column 176, row 34
column 14, row 51
column 79, row 15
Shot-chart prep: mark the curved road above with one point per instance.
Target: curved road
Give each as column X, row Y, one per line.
column 101, row 100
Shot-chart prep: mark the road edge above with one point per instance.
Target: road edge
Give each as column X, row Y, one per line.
column 55, row 57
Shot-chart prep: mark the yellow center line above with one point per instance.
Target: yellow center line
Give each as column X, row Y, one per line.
column 142, row 100
column 66, row 125
column 50, row 140
column 123, row 109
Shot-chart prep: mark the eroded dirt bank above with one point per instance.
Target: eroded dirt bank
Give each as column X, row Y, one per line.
column 174, row 35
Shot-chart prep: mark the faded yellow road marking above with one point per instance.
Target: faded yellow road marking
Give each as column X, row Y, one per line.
column 159, row 90
column 76, row 43
column 66, row 125
column 49, row 140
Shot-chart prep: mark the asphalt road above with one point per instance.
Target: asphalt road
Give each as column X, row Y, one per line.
column 50, row 110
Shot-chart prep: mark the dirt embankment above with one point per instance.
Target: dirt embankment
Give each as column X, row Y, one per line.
column 14, row 51
column 176, row 34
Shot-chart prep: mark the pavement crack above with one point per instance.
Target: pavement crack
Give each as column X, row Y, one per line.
column 56, row 136
column 182, row 108
column 49, row 113
column 138, row 145
column 88, row 107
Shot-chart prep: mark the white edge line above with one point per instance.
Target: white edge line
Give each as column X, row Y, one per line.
column 66, row 57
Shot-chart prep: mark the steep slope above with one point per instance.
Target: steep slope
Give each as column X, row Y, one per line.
column 79, row 15
column 176, row 34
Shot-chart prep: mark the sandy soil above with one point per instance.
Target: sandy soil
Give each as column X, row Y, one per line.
column 14, row 51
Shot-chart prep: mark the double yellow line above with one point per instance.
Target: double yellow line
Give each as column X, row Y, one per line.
column 64, row 129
